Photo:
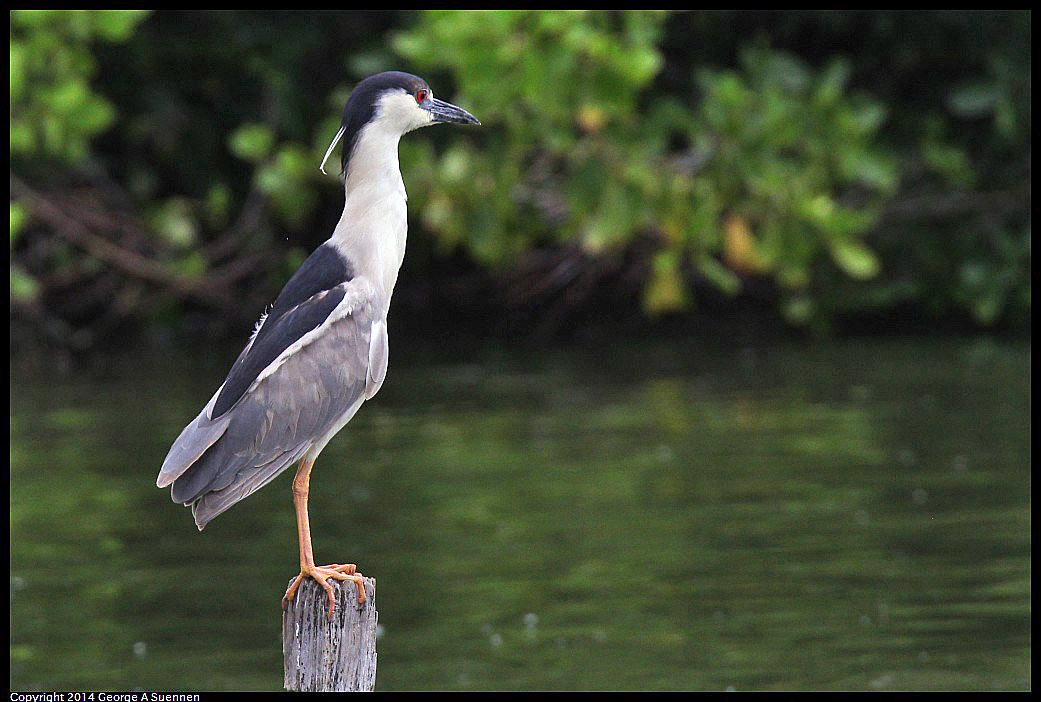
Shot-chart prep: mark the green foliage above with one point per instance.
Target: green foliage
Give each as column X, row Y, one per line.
column 558, row 94
column 855, row 163
column 54, row 111
column 787, row 151
column 580, row 147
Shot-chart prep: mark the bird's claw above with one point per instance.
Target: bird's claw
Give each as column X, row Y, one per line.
column 321, row 574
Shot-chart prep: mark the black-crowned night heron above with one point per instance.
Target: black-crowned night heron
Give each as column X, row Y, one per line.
column 321, row 350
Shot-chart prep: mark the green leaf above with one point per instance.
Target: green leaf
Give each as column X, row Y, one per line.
column 175, row 222
column 719, row 275
column 19, row 216
column 664, row 292
column 193, row 265
column 799, row 309
column 854, row 258
column 976, row 100
column 833, row 83
column 18, row 54
column 869, row 117
column 118, row 25
column 252, row 142
column 989, row 307
column 950, row 162
column 23, row 286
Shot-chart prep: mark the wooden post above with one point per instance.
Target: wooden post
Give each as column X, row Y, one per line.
column 330, row 655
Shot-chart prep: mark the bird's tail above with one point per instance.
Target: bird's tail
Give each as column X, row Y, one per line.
column 208, row 505
column 192, row 443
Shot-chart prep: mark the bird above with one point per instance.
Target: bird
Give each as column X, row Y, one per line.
column 321, row 349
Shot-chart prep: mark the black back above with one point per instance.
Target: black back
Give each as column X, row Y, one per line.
column 297, row 310
column 322, row 270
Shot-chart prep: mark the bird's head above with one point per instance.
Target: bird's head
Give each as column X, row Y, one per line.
column 391, row 104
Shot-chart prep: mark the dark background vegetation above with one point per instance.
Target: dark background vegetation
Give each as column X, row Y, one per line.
column 637, row 172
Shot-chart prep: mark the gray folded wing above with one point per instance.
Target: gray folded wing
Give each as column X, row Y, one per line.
column 294, row 403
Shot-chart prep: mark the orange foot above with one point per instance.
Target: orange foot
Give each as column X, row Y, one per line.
column 336, row 571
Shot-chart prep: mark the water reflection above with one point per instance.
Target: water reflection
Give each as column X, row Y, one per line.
column 844, row 517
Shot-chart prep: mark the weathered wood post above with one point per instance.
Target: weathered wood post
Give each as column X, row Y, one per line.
column 330, row 655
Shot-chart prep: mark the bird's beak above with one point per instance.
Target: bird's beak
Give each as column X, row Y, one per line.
column 447, row 112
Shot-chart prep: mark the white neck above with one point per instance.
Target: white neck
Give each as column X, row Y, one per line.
column 372, row 229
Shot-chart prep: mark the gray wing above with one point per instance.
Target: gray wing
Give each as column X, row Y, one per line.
column 296, row 404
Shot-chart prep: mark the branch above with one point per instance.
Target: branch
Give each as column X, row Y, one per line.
column 129, row 262
column 945, row 205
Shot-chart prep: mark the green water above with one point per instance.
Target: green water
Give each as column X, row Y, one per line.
column 852, row 516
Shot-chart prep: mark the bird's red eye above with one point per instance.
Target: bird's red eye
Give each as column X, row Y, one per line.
column 421, row 96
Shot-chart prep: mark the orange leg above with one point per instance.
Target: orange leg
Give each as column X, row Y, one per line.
column 308, row 569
